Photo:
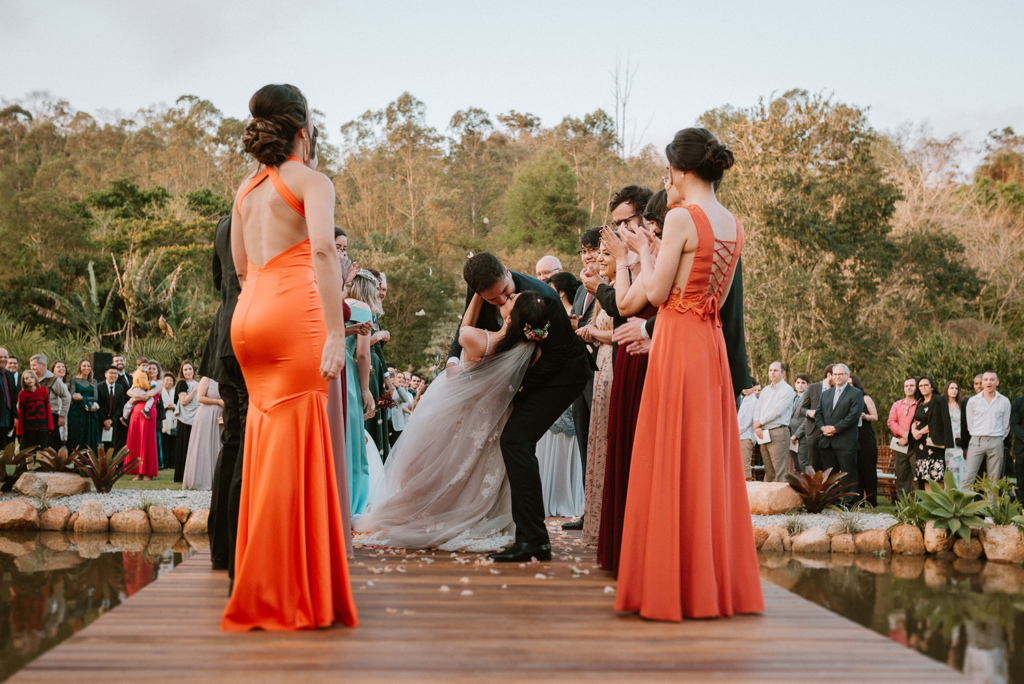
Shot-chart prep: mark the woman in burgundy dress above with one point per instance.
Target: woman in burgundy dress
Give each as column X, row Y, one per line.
column 627, row 387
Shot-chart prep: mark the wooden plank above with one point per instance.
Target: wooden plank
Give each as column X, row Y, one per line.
column 514, row 626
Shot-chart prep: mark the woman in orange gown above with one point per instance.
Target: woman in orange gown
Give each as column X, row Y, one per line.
column 687, row 542
column 288, row 333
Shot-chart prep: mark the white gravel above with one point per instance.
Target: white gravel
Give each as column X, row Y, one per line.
column 868, row 521
column 128, row 499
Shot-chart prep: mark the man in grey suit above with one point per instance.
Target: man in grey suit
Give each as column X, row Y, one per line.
column 582, row 310
column 797, row 424
column 836, row 418
column 809, row 407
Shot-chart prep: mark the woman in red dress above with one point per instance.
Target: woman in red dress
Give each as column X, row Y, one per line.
column 142, row 427
column 687, row 543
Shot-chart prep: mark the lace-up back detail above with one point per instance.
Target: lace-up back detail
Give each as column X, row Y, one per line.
column 712, row 267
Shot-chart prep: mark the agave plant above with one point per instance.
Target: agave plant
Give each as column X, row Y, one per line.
column 19, row 461
column 907, row 510
column 103, row 466
column 1004, row 509
column 953, row 509
column 820, row 490
column 50, row 461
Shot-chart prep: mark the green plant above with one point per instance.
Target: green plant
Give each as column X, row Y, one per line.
column 20, row 461
column 852, row 521
column 104, row 467
column 50, row 461
column 794, row 525
column 146, row 502
column 1004, row 509
column 820, row 490
column 907, row 510
column 43, row 503
column 953, row 509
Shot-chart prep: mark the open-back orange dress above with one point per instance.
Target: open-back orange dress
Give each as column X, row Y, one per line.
column 290, row 567
column 688, row 541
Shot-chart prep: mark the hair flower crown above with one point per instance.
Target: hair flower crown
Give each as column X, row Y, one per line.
column 535, row 334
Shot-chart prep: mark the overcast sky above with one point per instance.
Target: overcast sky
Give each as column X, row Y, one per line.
column 954, row 65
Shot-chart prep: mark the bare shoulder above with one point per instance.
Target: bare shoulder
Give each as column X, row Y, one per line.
column 356, row 304
column 245, row 181
column 678, row 221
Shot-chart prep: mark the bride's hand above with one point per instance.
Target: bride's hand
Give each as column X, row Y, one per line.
column 332, row 361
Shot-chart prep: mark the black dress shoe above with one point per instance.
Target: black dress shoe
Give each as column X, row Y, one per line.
column 574, row 524
column 523, row 552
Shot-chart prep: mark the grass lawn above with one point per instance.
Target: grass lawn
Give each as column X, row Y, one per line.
column 164, row 480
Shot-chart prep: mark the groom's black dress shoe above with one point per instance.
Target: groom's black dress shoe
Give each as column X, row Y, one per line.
column 523, row 552
column 573, row 525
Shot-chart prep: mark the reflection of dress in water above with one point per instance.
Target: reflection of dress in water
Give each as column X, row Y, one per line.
column 561, row 470
column 444, row 483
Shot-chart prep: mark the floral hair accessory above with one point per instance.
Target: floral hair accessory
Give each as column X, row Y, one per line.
column 535, row 334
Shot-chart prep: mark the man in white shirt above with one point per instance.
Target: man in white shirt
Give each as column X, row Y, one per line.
column 774, row 409
column 745, row 418
column 988, row 422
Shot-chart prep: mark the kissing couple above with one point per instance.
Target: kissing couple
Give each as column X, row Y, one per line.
column 464, row 476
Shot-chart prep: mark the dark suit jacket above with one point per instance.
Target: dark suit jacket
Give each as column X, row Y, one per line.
column 843, row 417
column 106, row 412
column 8, row 415
column 798, row 420
column 585, row 313
column 809, row 402
column 563, row 359
column 125, row 381
column 1017, row 429
column 225, row 279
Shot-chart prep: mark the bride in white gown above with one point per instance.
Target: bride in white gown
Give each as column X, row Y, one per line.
column 444, row 484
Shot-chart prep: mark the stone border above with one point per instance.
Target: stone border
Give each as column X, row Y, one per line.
column 1004, row 543
column 20, row 515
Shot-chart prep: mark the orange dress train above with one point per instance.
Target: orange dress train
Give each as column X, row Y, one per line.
column 290, row 568
column 687, row 542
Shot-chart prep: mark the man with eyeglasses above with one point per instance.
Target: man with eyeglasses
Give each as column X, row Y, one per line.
column 547, row 267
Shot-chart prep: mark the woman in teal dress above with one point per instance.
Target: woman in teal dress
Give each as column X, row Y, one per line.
column 358, row 368
column 83, row 419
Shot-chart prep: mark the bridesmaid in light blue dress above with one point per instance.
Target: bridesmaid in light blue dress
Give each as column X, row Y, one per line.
column 355, row 435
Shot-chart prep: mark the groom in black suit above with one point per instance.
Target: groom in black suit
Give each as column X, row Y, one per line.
column 548, row 389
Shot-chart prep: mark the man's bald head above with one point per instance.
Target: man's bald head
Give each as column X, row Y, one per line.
column 547, row 267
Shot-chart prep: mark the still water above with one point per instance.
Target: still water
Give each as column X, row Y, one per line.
column 51, row 588
column 967, row 614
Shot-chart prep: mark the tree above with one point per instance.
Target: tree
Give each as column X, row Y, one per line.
column 83, row 312
column 541, row 206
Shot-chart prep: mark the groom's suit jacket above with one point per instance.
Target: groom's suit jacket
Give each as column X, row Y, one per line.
column 563, row 359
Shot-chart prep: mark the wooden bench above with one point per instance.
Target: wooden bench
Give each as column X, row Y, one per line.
column 887, row 472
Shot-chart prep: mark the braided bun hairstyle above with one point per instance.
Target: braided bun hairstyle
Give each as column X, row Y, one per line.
column 278, row 113
column 697, row 150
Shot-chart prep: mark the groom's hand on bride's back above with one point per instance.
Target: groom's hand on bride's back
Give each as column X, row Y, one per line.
column 453, row 369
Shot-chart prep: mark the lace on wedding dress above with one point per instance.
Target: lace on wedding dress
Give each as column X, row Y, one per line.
column 444, row 484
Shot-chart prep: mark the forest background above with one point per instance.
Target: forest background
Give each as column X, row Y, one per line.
column 872, row 248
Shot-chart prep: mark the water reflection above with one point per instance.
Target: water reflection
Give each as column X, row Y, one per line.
column 53, row 585
column 968, row 614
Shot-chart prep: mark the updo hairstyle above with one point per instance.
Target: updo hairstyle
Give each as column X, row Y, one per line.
column 697, row 150
column 278, row 113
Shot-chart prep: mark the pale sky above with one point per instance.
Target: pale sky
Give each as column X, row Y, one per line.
column 956, row 66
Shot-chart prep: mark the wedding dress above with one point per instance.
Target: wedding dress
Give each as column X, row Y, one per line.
column 444, row 484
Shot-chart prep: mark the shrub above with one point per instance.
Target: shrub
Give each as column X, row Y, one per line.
column 50, row 461
column 819, row 491
column 953, row 509
column 103, row 466
column 17, row 461
column 907, row 510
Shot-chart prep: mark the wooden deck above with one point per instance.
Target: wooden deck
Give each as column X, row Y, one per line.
column 514, row 626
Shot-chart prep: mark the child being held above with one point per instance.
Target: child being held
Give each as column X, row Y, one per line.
column 140, row 382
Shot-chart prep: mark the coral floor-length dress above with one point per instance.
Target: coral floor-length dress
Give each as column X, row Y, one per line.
column 687, row 542
column 290, row 568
